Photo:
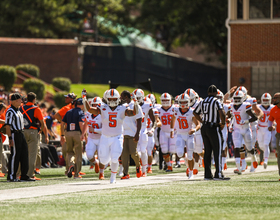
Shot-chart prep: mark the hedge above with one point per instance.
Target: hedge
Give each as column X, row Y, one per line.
column 35, row 85
column 62, row 83
column 30, row 69
column 8, row 76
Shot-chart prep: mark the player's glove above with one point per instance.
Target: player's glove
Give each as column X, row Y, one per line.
column 243, row 122
column 133, row 97
column 84, row 93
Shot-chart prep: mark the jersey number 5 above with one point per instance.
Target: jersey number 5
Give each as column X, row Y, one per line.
column 112, row 121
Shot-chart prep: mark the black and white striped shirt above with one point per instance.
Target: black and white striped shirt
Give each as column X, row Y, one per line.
column 14, row 118
column 209, row 108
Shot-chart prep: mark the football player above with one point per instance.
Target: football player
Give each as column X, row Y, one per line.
column 257, row 111
column 151, row 132
column 147, row 109
column 243, row 115
column 94, row 125
column 264, row 135
column 183, row 116
column 111, row 140
column 167, row 144
column 198, row 147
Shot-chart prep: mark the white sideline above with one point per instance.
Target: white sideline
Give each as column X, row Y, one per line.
column 80, row 186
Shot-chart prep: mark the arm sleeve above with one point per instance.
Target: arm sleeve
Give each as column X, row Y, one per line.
column 9, row 118
column 64, row 118
column 197, row 110
column 38, row 114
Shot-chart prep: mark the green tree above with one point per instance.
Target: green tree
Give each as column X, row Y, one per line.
column 176, row 23
column 36, row 18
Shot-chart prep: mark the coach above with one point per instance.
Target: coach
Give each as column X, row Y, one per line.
column 211, row 110
column 17, row 142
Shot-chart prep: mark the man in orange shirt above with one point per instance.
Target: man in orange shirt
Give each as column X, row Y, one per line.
column 69, row 98
column 31, row 115
column 275, row 116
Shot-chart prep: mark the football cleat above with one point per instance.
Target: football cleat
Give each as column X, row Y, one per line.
column 190, row 176
column 138, row 172
column 78, row 177
column 35, row 178
column 237, row 171
column 264, row 165
column 149, row 170
column 195, row 171
column 261, row 163
column 91, row 167
column 169, row 169
column 70, row 171
column 187, row 171
column 113, row 180
column 252, row 169
column 144, row 175
column 255, row 164
column 101, row 176
column 125, row 177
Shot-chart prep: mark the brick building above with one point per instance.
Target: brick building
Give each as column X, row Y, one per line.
column 54, row 57
column 254, row 45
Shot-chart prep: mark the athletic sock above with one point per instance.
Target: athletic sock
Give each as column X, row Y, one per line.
column 114, row 167
column 168, row 164
column 224, row 160
column 101, row 170
column 196, row 165
column 237, row 162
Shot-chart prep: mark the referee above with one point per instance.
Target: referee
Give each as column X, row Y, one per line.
column 17, row 142
column 213, row 122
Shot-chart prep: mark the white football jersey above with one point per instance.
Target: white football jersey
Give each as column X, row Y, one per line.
column 184, row 120
column 165, row 117
column 112, row 120
column 93, row 121
column 263, row 122
column 145, row 109
column 252, row 101
column 240, row 113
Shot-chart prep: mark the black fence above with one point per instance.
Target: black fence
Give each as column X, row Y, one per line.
column 131, row 66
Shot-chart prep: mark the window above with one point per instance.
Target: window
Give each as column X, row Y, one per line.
column 265, row 79
column 239, row 9
column 276, row 8
column 259, row 9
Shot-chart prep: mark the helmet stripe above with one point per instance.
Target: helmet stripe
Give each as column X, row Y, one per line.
column 112, row 92
column 183, row 95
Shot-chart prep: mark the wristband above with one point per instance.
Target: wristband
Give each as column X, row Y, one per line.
column 62, row 135
column 172, row 129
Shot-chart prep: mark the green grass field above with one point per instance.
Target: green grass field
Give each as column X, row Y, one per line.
column 254, row 196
